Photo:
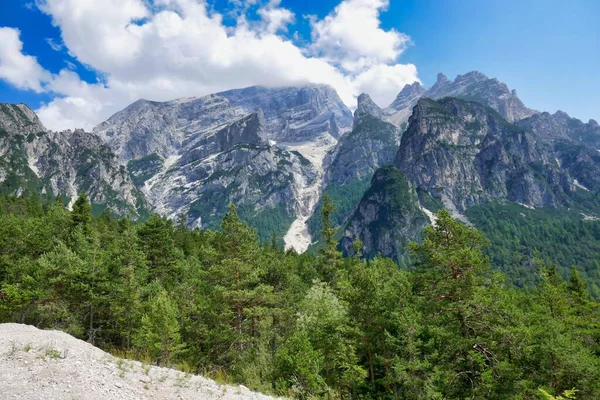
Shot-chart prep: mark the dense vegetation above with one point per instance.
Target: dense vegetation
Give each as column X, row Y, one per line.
column 306, row 326
column 518, row 235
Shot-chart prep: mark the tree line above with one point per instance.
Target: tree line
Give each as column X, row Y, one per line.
column 222, row 304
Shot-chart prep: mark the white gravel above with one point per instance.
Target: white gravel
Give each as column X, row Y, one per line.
column 38, row 364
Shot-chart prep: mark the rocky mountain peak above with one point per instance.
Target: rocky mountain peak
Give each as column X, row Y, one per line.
column 19, row 118
column 441, row 78
column 457, row 151
column 399, row 111
column 472, row 76
column 366, row 106
column 561, row 115
column 473, row 86
column 407, row 96
column 593, row 123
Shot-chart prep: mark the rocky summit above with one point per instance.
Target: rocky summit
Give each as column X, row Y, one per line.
column 262, row 149
column 473, row 86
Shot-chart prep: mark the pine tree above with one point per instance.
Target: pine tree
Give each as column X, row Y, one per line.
column 159, row 331
column 240, row 298
column 81, row 214
column 454, row 285
column 158, row 243
column 126, row 265
column 330, row 256
column 577, row 285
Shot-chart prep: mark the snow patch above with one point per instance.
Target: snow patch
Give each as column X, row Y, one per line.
column 71, row 202
column 526, row 206
column 590, row 217
column 431, row 215
column 32, row 161
column 298, row 236
column 580, row 186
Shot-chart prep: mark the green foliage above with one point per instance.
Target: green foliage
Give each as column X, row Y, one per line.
column 159, row 331
column 561, row 237
column 567, row 394
column 329, row 255
column 346, row 198
column 82, row 213
column 269, row 221
column 303, row 326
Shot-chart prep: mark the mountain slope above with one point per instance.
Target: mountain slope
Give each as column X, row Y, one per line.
column 292, row 114
column 40, row 162
column 260, row 148
column 372, row 143
column 458, row 154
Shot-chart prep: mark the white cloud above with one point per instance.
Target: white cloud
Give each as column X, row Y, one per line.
column 276, row 18
column 352, row 35
column 53, row 45
column 180, row 48
column 18, row 69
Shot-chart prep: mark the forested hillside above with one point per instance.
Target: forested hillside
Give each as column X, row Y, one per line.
column 304, row 326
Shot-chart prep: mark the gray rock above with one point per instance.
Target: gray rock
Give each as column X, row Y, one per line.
column 36, row 161
column 473, row 86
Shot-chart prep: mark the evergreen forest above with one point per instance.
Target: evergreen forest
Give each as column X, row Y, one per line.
column 226, row 305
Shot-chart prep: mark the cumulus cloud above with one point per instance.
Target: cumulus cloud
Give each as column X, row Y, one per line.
column 275, row 17
column 20, row 70
column 352, row 36
column 179, row 48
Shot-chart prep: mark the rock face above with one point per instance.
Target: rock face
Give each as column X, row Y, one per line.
column 275, row 151
column 371, row 144
column 457, row 153
column 559, row 126
column 295, row 114
column 36, row 161
column 388, row 216
column 292, row 114
column 37, row 364
column 260, row 148
column 473, row 86
column 576, row 145
column 401, row 108
column 464, row 153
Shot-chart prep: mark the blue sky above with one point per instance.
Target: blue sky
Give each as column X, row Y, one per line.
column 548, row 50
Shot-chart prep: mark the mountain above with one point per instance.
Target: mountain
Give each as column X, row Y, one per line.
column 261, row 148
column 35, row 161
column 372, row 143
column 399, row 111
column 292, row 114
column 466, row 157
column 274, row 152
column 387, row 217
column 473, row 86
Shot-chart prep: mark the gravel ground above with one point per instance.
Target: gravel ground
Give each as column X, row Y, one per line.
column 38, row 364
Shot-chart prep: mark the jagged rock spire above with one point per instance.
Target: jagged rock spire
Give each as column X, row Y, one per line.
column 366, row 106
